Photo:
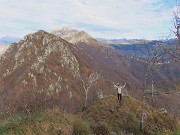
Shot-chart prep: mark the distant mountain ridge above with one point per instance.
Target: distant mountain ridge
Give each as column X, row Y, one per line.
column 135, row 47
column 122, row 41
column 8, row 40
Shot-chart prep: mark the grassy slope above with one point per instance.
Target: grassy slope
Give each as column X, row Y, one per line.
column 104, row 117
column 126, row 117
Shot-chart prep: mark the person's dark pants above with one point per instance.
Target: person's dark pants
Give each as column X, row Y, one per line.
column 119, row 97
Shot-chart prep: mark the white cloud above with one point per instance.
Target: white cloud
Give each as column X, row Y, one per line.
column 102, row 18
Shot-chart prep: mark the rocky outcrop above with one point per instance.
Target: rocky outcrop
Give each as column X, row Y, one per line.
column 74, row 36
column 3, row 48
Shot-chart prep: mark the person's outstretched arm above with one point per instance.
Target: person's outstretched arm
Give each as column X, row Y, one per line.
column 124, row 85
column 115, row 86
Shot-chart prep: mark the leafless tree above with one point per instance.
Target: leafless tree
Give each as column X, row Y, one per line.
column 155, row 57
column 88, row 83
column 173, row 50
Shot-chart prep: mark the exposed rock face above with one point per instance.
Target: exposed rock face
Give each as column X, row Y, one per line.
column 74, row 36
column 45, row 71
column 3, row 48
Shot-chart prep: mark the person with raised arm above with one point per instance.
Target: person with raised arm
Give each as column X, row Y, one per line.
column 119, row 91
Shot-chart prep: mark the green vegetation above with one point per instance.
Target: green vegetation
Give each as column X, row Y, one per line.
column 16, row 123
column 178, row 88
column 104, row 117
column 176, row 132
column 51, row 122
column 81, row 127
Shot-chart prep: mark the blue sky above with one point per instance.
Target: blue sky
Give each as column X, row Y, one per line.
column 149, row 19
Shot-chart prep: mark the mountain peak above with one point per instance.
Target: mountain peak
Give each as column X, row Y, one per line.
column 39, row 32
column 65, row 32
column 65, row 29
column 69, row 29
column 73, row 36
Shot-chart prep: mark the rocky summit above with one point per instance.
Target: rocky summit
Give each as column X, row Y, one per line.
column 74, row 36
